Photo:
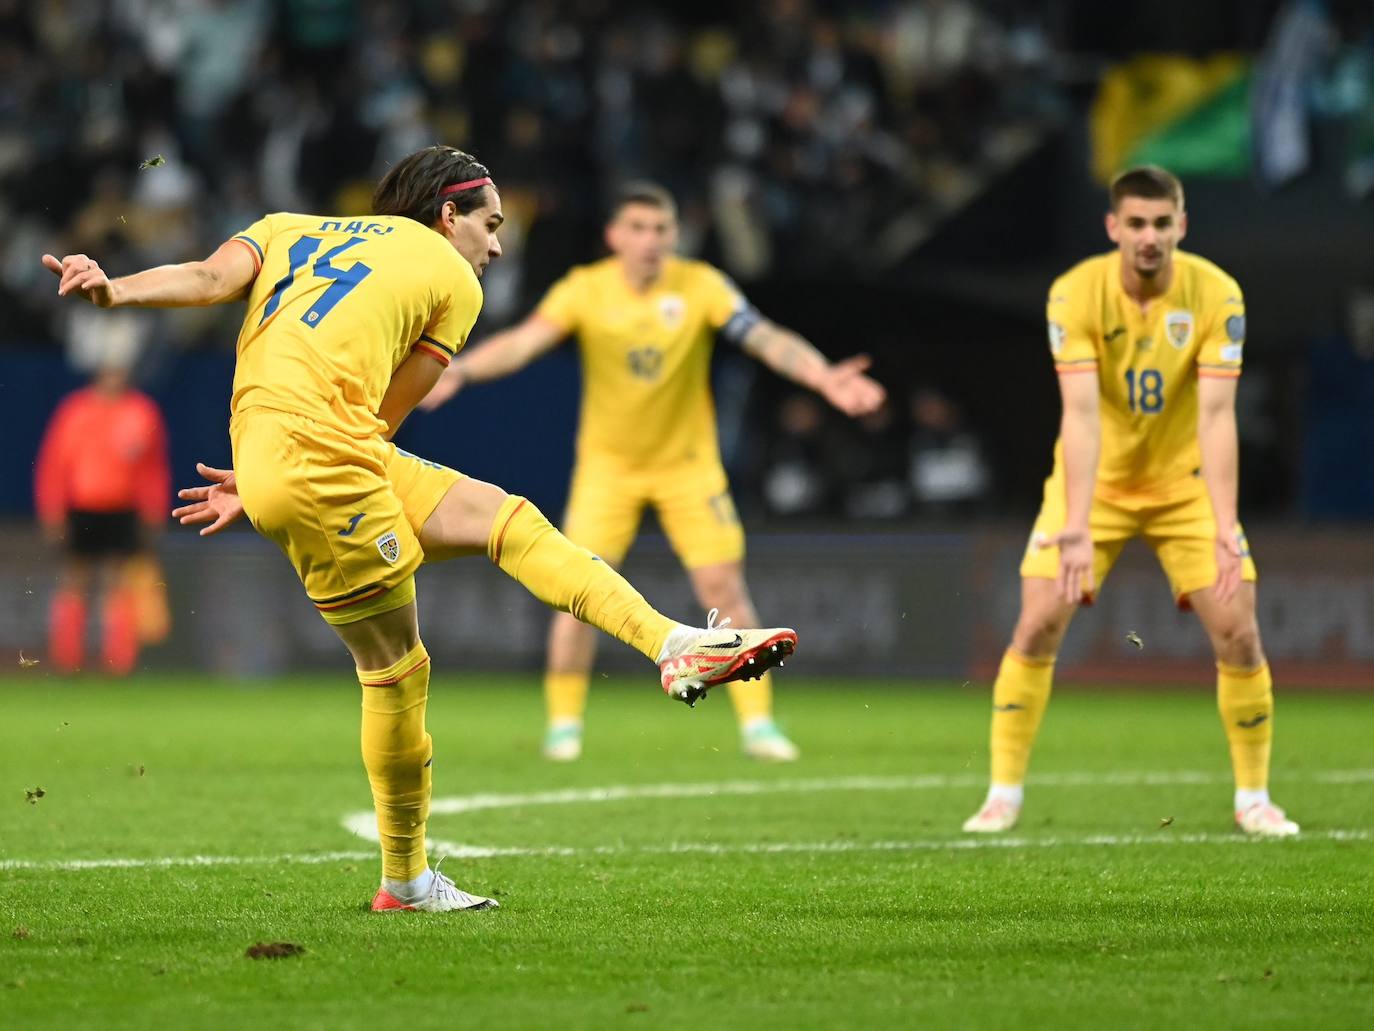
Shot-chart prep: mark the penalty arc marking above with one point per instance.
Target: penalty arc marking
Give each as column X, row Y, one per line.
column 363, row 823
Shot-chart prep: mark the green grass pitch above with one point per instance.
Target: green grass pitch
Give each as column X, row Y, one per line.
column 836, row 892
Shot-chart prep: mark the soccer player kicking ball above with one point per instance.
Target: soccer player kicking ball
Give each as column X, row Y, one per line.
column 350, row 322
column 1147, row 344
column 645, row 322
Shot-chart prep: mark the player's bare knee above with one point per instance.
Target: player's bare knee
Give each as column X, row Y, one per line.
column 722, row 587
column 1039, row 633
column 1238, row 644
column 463, row 518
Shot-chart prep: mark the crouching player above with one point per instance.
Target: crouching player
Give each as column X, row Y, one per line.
column 1147, row 342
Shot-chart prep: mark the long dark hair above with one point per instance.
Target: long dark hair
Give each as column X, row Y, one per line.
column 411, row 188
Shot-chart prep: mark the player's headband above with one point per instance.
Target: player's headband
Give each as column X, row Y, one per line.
column 471, row 184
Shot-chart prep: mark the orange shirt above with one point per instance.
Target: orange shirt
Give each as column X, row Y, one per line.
column 103, row 453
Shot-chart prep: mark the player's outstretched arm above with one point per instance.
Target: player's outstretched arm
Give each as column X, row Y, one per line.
column 1219, row 443
column 217, row 503
column 1080, row 430
column 224, row 276
column 497, row 356
column 843, row 383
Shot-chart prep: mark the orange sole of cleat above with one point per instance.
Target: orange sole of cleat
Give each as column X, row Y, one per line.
column 749, row 665
column 385, row 902
column 757, row 661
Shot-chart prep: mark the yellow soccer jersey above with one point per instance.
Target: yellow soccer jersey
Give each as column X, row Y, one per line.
column 646, row 358
column 1147, row 365
column 337, row 305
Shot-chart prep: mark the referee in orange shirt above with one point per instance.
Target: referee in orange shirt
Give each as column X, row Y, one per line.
column 102, row 487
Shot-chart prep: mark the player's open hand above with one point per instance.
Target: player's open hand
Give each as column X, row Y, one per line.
column 449, row 383
column 1075, row 564
column 848, row 389
column 218, row 503
column 1228, row 566
column 81, row 275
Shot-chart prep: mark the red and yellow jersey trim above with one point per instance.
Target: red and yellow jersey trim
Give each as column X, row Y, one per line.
column 440, row 352
column 1077, row 365
column 343, row 601
column 1219, row 371
column 253, row 248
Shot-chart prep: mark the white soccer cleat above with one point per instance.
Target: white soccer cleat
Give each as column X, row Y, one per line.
column 444, row 897
column 563, row 744
column 766, row 742
column 717, row 656
column 1266, row 820
column 996, row 816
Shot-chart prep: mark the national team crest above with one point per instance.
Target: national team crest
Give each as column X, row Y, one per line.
column 1178, row 327
column 671, row 309
column 389, row 546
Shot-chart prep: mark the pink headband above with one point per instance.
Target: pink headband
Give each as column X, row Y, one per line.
column 471, row 184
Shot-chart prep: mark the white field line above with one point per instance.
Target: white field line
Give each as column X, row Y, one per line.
column 363, row 824
column 164, row 862
column 925, row 782
column 968, row 844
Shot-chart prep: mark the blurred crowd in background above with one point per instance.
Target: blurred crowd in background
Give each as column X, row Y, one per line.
column 806, row 142
column 793, row 138
column 797, row 141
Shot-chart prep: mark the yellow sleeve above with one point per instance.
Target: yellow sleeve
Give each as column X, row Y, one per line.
column 457, row 303
column 255, row 238
column 562, row 305
column 1219, row 353
column 720, row 297
column 1072, row 341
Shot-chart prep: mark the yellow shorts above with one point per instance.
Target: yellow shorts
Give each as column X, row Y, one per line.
column 346, row 512
column 1182, row 533
column 692, row 502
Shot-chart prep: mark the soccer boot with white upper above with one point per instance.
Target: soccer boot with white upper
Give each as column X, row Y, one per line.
column 444, row 897
column 1266, row 820
column 996, row 815
column 765, row 741
column 716, row 655
column 563, row 742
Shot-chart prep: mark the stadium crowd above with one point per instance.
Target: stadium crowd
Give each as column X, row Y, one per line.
column 149, row 130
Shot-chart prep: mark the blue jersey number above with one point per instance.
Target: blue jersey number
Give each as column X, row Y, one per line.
column 344, row 279
column 1145, row 391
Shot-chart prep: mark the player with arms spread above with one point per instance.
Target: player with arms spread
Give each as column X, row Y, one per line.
column 350, row 323
column 1147, row 343
column 645, row 321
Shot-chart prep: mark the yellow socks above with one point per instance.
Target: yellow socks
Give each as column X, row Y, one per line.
column 571, row 579
column 397, row 753
column 752, row 699
column 565, row 696
column 1246, row 700
column 1019, row 697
